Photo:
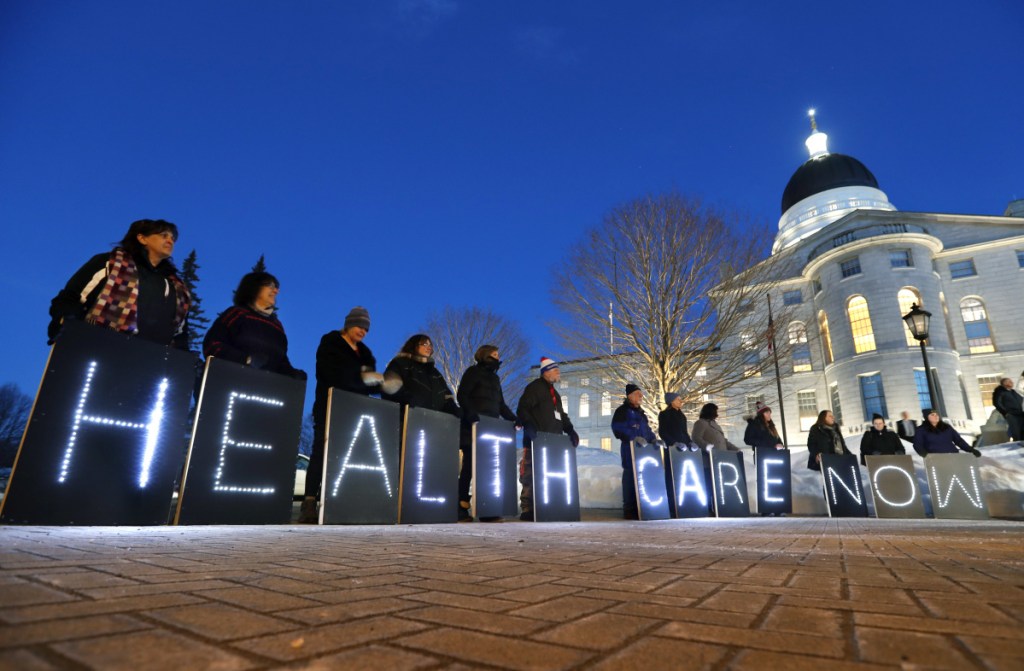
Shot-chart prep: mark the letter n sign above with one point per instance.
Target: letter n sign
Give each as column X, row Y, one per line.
column 844, row 492
column 894, row 486
column 556, row 491
column 106, row 437
column 774, row 482
column 955, row 485
column 495, row 475
column 730, row 484
column 430, row 468
column 649, row 480
column 241, row 462
column 360, row 483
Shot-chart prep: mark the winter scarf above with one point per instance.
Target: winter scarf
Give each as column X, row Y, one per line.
column 117, row 305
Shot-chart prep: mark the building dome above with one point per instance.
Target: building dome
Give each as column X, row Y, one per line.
column 828, row 171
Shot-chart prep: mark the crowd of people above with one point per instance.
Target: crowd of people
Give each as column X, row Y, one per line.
column 135, row 289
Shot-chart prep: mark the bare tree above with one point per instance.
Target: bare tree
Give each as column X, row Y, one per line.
column 14, row 409
column 458, row 332
column 669, row 294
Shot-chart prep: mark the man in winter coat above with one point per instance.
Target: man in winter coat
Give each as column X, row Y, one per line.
column 540, row 409
column 629, row 423
column 906, row 427
column 1010, row 403
column 879, row 440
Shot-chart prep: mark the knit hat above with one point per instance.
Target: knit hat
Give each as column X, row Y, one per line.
column 762, row 407
column 669, row 397
column 928, row 411
column 547, row 364
column 358, row 316
column 877, row 416
column 630, row 388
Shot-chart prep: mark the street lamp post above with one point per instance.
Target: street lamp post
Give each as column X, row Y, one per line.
column 917, row 321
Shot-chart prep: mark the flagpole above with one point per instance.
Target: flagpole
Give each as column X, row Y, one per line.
column 778, row 376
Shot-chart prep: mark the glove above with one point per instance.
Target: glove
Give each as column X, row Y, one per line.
column 694, row 447
column 391, row 382
column 640, row 441
column 372, row 379
column 258, row 360
column 976, row 452
column 575, row 438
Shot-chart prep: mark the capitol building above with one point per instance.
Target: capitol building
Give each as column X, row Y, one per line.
column 856, row 264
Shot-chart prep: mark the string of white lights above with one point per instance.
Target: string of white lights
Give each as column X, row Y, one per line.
column 346, row 462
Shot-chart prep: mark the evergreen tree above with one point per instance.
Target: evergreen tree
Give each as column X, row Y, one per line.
column 261, row 266
column 197, row 320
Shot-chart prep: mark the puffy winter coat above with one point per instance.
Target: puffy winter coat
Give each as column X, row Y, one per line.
column 942, row 439
column 629, row 423
column 540, row 409
column 423, row 386
column 883, row 442
column 672, row 427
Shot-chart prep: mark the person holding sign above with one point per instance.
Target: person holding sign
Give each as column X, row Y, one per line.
column 629, row 423
column 343, row 361
column 937, row 437
column 249, row 332
column 707, row 433
column 672, row 422
column 479, row 395
column 879, row 440
column 824, row 438
column 761, row 431
column 133, row 289
column 540, row 409
column 423, row 386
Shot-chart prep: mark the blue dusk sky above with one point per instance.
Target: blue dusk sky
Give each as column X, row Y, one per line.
column 405, row 155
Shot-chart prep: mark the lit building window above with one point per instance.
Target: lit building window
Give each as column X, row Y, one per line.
column 794, row 297
column 584, row 442
column 958, row 269
column 584, row 405
column 907, row 297
column 979, row 336
column 801, row 351
column 1020, row 258
column 606, row 403
column 986, row 385
column 826, row 337
column 860, row 325
column 850, row 267
column 901, row 258
column 565, row 404
column 751, row 358
column 752, row 402
column 606, row 444
column 872, row 396
column 807, row 406
column 837, row 407
column 584, row 381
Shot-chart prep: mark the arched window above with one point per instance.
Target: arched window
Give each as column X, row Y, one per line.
column 826, row 337
column 801, row 351
column 979, row 336
column 584, row 405
column 606, row 403
column 907, row 297
column 860, row 325
column 751, row 357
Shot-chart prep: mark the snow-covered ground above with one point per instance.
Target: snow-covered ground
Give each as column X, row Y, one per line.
column 1001, row 466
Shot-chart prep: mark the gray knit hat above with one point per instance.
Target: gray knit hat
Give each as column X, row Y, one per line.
column 358, row 316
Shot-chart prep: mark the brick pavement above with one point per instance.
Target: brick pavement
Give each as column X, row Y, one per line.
column 793, row 593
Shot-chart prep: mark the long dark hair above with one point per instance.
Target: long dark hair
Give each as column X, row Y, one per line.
column 413, row 342
column 768, row 424
column 709, row 411
column 249, row 287
column 130, row 242
column 821, row 419
column 938, row 428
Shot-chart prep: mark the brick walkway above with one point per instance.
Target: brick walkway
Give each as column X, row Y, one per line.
column 793, row 593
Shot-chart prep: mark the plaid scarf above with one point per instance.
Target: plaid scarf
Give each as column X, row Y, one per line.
column 117, row 306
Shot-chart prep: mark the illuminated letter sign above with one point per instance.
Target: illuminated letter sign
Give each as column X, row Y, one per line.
column 774, row 478
column 430, row 467
column 360, row 460
column 955, row 487
column 730, row 484
column 844, row 493
column 240, row 467
column 494, row 491
column 106, row 437
column 894, row 486
column 555, row 492
column 690, row 489
column 649, row 480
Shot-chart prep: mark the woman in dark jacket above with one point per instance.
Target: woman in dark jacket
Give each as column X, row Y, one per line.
column 479, row 396
column 879, row 440
column 249, row 332
column 824, row 438
column 423, row 386
column 133, row 289
column 761, row 432
column 672, row 422
column 937, row 437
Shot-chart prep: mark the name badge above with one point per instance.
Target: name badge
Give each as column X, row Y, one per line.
column 558, row 415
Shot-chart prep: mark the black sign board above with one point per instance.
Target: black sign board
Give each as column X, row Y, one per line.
column 556, row 489
column 106, row 436
column 649, row 479
column 360, row 484
column 240, row 467
column 774, row 482
column 844, row 492
column 495, row 474
column 691, row 493
column 955, row 486
column 894, row 486
column 430, row 468
column 730, row 484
